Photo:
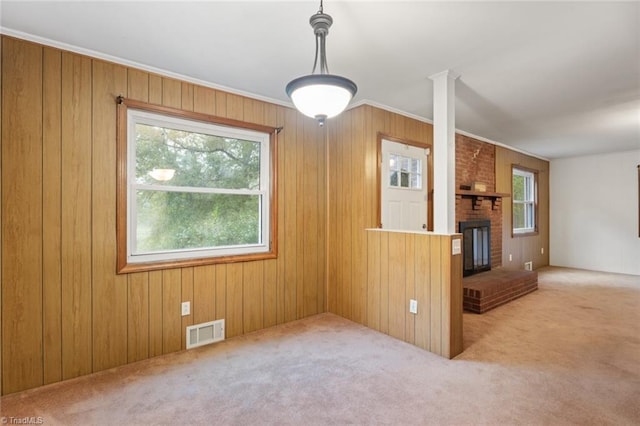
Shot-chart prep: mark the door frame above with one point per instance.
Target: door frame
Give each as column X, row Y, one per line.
column 380, row 137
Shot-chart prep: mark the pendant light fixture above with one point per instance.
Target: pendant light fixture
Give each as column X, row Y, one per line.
column 321, row 95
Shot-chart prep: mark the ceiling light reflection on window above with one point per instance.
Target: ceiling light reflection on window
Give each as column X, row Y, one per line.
column 162, row 175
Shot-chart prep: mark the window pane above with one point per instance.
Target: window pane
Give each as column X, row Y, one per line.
column 393, row 162
column 404, row 164
column 415, row 165
column 529, row 213
column 518, row 216
column 518, row 187
column 528, row 188
column 404, row 180
column 181, row 220
column 416, row 182
column 197, row 160
column 393, row 180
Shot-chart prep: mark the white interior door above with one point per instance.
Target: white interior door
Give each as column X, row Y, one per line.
column 404, row 186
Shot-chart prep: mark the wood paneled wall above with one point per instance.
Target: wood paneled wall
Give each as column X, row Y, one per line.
column 65, row 312
column 353, row 202
column 403, row 266
column 524, row 248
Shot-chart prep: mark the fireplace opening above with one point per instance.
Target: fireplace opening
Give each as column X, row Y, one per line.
column 476, row 249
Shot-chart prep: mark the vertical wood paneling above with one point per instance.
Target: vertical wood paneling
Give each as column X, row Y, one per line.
column 204, row 294
column 253, row 291
column 358, row 235
column 410, row 289
column 171, row 310
column 186, row 285
column 270, row 296
column 21, row 216
column 156, row 320
column 455, row 319
column 290, row 206
column 110, row 315
column 309, row 240
column 187, row 97
column 423, row 292
column 445, row 295
column 347, row 157
column 221, row 104
column 252, row 111
column 332, row 229
column 322, row 196
column 336, row 289
column 299, row 218
column 373, row 280
column 406, row 262
column 280, row 263
column 51, row 221
column 204, row 100
column 155, row 89
column 86, row 318
column 235, row 296
column 435, row 260
column 397, row 284
column 137, row 85
column 235, row 107
column 138, row 317
column 221, row 292
column 171, row 93
column 384, row 282
column 76, row 221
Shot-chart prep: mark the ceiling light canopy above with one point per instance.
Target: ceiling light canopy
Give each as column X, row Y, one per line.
column 321, row 95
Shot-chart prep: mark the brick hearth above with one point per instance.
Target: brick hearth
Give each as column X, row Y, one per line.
column 488, row 290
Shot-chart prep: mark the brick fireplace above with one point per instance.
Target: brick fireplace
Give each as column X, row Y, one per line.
column 475, row 162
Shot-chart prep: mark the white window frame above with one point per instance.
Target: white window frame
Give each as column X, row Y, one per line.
column 530, row 201
column 131, row 113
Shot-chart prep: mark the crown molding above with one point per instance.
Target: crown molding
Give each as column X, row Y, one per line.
column 114, row 59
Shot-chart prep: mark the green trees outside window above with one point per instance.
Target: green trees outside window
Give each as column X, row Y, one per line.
column 174, row 214
column 192, row 189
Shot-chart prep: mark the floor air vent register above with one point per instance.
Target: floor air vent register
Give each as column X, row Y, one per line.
column 205, row 333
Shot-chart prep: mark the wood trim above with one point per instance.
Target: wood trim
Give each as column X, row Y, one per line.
column 536, row 202
column 380, row 136
column 122, row 266
column 192, row 115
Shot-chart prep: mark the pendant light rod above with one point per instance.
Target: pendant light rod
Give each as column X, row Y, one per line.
column 321, row 22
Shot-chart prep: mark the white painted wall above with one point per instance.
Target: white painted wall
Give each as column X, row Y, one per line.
column 594, row 212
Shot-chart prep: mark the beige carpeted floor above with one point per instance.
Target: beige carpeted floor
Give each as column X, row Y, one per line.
column 568, row 353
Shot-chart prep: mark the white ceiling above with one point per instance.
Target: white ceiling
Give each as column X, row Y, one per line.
column 554, row 79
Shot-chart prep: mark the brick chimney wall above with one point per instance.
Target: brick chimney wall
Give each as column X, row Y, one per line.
column 475, row 162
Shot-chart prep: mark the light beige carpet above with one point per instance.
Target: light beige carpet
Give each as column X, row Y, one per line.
column 568, row 353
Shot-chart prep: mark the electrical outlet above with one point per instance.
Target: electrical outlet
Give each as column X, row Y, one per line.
column 541, row 250
column 413, row 306
column 510, row 258
column 186, row 308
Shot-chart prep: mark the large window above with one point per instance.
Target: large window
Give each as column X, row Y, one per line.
column 524, row 198
column 195, row 191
